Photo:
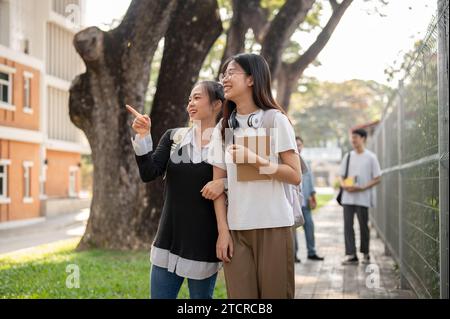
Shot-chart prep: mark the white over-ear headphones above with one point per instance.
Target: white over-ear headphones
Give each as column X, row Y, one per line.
column 252, row 121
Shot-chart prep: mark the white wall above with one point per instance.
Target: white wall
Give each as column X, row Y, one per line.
column 26, row 21
column 4, row 22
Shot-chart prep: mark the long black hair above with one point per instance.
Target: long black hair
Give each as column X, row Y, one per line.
column 256, row 66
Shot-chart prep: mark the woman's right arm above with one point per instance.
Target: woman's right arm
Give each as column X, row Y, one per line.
column 224, row 246
column 151, row 164
column 154, row 163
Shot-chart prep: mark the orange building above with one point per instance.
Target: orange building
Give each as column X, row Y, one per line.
column 40, row 149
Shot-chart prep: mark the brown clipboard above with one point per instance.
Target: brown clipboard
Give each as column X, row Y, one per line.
column 259, row 145
column 247, row 172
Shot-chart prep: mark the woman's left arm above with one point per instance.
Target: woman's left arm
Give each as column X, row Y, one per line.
column 288, row 171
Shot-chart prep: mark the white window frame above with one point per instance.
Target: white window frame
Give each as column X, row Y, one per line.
column 10, row 71
column 27, row 196
column 4, row 199
column 27, row 77
column 72, row 191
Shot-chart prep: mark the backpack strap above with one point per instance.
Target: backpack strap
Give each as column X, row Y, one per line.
column 268, row 122
column 347, row 165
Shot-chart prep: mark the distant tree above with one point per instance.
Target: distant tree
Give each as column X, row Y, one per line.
column 350, row 103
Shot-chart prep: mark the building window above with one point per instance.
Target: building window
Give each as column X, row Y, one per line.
column 27, row 196
column 73, row 170
column 27, row 92
column 6, row 84
column 5, row 88
column 4, row 181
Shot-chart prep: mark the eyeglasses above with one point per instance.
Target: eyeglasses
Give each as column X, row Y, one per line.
column 223, row 76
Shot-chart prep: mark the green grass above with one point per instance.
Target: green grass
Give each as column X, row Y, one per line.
column 323, row 199
column 40, row 272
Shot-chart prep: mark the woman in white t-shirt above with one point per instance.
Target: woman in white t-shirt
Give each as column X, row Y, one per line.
column 255, row 232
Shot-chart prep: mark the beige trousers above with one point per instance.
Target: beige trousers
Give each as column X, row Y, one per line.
column 262, row 266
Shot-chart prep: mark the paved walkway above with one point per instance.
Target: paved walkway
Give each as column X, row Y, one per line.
column 329, row 279
column 46, row 231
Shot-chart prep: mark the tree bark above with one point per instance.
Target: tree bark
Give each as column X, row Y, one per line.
column 195, row 27
column 118, row 67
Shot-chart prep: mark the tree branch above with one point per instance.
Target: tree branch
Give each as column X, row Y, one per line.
column 299, row 66
column 291, row 14
column 289, row 73
column 334, row 4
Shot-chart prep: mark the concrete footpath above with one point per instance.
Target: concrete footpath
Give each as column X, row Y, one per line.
column 331, row 280
column 44, row 231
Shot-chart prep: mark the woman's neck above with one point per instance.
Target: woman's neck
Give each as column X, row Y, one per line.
column 245, row 106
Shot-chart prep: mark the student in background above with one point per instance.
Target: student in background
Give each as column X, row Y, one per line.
column 309, row 204
column 363, row 174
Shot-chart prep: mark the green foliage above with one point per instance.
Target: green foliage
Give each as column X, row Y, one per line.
column 273, row 6
column 211, row 65
column 398, row 69
column 313, row 18
column 324, row 111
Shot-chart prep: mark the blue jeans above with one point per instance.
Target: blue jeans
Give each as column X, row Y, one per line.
column 308, row 228
column 166, row 285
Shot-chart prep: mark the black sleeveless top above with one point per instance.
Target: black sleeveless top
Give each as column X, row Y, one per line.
column 188, row 226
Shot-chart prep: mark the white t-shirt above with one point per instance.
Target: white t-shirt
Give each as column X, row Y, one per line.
column 256, row 204
column 364, row 167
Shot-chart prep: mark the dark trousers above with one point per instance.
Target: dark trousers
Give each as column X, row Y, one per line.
column 363, row 219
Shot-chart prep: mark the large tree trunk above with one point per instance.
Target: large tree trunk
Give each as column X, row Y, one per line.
column 195, row 27
column 118, row 68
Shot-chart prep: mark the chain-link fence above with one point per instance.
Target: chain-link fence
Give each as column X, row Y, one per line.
column 412, row 145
